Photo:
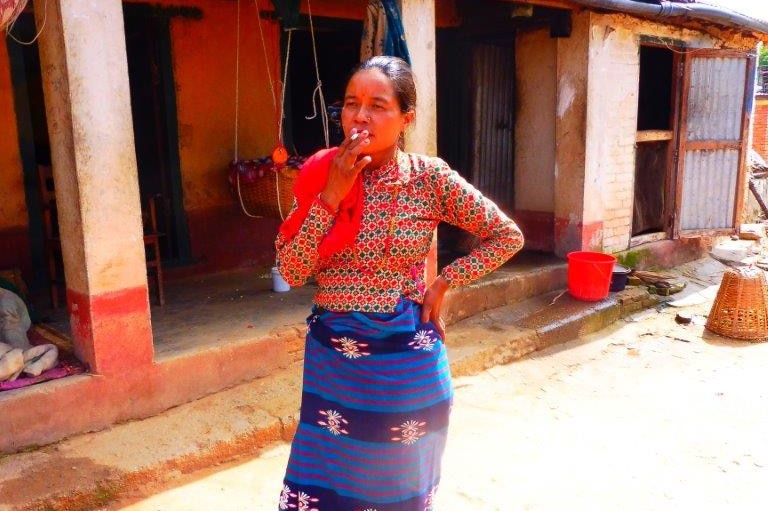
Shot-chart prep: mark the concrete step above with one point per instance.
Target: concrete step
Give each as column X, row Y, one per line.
column 90, row 470
column 504, row 334
column 505, row 286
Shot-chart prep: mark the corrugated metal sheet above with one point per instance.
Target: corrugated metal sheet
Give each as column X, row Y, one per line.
column 716, row 98
column 710, row 189
column 493, row 123
column 715, row 113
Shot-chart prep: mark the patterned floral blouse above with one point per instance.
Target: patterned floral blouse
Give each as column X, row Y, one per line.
column 404, row 200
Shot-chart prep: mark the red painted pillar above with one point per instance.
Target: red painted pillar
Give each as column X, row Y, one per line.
column 87, row 96
column 577, row 199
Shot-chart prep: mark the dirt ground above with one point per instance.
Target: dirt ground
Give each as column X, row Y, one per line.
column 646, row 415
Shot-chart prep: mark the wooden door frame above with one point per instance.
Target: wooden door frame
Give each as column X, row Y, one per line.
column 670, row 177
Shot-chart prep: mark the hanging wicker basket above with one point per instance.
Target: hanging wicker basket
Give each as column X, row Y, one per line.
column 263, row 188
column 9, row 11
column 740, row 309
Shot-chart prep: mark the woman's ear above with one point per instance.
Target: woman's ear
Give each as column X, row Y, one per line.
column 408, row 118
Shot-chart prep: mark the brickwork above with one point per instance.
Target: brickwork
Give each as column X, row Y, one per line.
column 612, row 124
column 760, row 127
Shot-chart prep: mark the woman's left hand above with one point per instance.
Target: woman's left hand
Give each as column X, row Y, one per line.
column 433, row 302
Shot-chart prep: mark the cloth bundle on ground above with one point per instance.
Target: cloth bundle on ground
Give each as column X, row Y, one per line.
column 17, row 355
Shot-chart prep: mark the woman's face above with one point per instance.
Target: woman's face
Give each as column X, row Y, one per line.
column 370, row 104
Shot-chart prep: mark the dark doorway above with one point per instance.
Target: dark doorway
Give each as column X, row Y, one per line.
column 476, row 119
column 654, row 103
column 454, row 100
column 493, row 121
column 153, row 106
column 654, row 161
column 34, row 144
column 475, row 96
column 338, row 51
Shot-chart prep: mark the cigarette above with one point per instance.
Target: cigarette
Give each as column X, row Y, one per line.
column 353, row 137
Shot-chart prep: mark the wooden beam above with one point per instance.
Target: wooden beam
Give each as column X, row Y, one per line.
column 557, row 4
column 712, row 145
column 758, row 198
column 653, row 135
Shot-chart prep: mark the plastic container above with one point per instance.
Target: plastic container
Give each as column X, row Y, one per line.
column 589, row 275
column 279, row 285
column 619, row 277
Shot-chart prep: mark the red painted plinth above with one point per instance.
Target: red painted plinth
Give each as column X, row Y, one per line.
column 571, row 235
column 112, row 332
column 538, row 229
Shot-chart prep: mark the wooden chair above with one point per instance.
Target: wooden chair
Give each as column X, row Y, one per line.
column 152, row 247
column 52, row 240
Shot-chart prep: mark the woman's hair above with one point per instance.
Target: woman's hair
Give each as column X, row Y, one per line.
column 399, row 73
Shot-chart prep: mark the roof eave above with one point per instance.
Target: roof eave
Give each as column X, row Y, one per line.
column 695, row 12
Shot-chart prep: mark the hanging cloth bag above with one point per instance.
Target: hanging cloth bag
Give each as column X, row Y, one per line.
column 383, row 32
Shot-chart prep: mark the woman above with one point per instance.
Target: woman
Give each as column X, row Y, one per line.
column 377, row 387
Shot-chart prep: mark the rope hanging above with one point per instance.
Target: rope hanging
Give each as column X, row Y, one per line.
column 10, row 12
column 319, row 87
column 237, row 79
column 237, row 112
column 285, row 80
column 266, row 58
column 279, row 155
column 9, row 17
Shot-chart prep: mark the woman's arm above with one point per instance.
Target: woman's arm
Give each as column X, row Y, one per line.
column 461, row 204
column 464, row 206
column 298, row 257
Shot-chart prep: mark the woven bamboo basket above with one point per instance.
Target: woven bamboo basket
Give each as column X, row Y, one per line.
column 740, row 309
column 262, row 188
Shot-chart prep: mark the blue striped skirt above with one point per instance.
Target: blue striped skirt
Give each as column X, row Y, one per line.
column 374, row 414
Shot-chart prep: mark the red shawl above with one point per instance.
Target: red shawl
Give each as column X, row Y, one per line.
column 309, row 183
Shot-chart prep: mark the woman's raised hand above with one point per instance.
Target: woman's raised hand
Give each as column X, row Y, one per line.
column 345, row 167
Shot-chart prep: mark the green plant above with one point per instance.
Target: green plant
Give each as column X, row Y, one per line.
column 631, row 258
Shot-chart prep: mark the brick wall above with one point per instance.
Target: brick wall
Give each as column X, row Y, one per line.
column 760, row 127
column 611, row 127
